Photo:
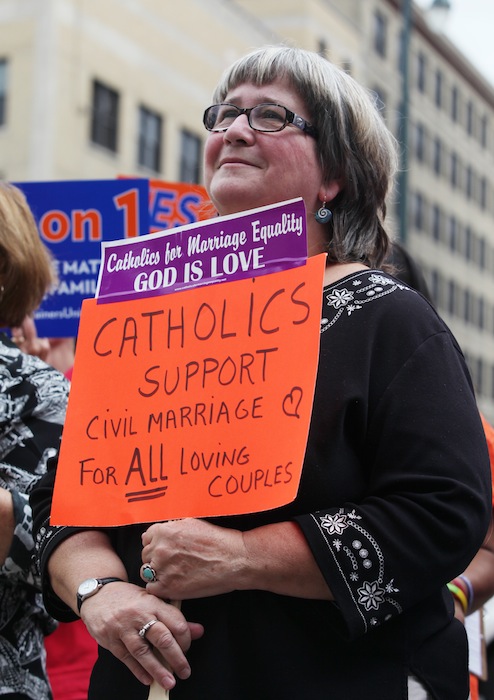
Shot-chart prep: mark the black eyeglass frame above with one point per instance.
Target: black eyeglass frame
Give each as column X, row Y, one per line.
column 290, row 118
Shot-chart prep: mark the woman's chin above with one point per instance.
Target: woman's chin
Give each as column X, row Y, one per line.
column 234, row 204
column 239, row 199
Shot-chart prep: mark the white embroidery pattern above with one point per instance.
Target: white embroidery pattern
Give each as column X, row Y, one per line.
column 367, row 287
column 334, row 524
column 358, row 554
column 339, row 297
column 371, row 595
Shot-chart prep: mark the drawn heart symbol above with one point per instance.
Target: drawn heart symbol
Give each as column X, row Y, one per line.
column 291, row 402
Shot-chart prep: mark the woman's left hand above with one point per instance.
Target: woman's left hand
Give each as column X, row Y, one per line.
column 193, row 559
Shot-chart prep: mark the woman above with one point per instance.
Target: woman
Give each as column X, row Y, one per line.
column 33, row 402
column 472, row 589
column 341, row 593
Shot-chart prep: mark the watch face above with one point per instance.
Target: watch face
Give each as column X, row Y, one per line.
column 87, row 587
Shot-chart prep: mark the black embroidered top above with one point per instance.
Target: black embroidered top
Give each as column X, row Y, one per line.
column 394, row 501
column 33, row 401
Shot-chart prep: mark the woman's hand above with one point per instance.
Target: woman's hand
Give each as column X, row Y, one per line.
column 27, row 340
column 116, row 614
column 193, row 559
column 57, row 352
column 119, row 610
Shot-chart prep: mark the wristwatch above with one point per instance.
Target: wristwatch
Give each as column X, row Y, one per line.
column 91, row 586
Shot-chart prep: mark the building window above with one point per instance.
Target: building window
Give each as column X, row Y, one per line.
column 454, row 170
column 3, row 91
column 438, row 91
column 436, row 222
column 420, row 143
column 150, row 130
column 483, row 193
column 469, row 182
column 453, row 233
column 104, row 123
column 421, row 72
column 468, row 243
column 438, row 149
column 483, row 131
column 452, row 297
column 482, row 253
column 467, row 301
column 481, row 313
column 436, row 287
column 419, row 213
column 190, row 157
column 455, row 99
column 322, row 48
column 470, row 117
column 380, row 32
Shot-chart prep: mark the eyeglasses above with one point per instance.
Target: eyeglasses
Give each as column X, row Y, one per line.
column 264, row 117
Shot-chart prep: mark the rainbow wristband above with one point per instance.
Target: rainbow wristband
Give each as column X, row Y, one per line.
column 460, row 596
column 469, row 588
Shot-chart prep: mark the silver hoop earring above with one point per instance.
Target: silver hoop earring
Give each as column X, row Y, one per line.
column 323, row 215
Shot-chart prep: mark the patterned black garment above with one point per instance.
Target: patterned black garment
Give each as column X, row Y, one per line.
column 33, row 400
column 394, row 501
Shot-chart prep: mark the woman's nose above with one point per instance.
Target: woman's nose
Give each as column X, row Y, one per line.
column 240, row 130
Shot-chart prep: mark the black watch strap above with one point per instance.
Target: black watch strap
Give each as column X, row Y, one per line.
column 100, row 582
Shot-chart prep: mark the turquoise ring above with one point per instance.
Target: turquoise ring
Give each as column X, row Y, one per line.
column 148, row 574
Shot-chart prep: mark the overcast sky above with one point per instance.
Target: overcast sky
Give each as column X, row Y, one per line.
column 470, row 26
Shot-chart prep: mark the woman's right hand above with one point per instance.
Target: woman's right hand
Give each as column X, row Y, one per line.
column 114, row 617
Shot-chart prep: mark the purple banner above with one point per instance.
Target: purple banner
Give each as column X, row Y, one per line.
column 256, row 242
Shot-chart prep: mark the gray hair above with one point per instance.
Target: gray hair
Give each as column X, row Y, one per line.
column 354, row 144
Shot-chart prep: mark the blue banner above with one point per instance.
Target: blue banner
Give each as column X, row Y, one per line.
column 73, row 218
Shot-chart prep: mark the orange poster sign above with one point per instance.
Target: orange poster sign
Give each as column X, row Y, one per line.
column 193, row 404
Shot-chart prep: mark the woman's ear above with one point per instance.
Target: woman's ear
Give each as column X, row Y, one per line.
column 330, row 190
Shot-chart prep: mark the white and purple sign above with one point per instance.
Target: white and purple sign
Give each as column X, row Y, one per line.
column 256, row 242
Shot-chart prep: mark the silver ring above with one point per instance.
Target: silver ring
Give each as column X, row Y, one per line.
column 144, row 629
column 148, row 574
